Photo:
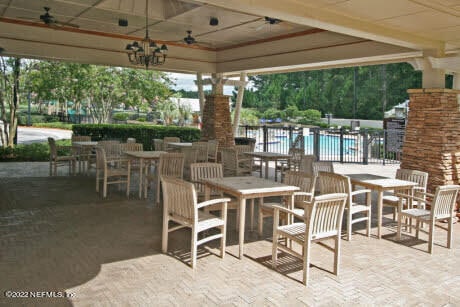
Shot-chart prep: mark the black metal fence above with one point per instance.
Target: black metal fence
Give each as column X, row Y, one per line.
column 338, row 145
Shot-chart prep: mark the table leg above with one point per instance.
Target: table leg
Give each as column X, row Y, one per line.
column 141, row 171
column 266, row 169
column 242, row 220
column 380, row 214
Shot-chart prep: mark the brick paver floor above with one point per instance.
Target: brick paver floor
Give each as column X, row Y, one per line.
column 57, row 234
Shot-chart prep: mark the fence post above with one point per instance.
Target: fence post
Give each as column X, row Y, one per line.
column 316, row 144
column 291, row 141
column 246, row 128
column 365, row 147
column 384, row 145
column 265, row 129
column 341, row 145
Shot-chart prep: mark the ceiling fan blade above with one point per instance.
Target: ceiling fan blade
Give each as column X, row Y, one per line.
column 66, row 24
column 260, row 27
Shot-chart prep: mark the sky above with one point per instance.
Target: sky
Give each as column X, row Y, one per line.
column 186, row 82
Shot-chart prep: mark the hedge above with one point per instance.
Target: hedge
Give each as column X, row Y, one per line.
column 142, row 133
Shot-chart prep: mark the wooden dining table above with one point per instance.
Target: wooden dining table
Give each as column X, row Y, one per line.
column 266, row 157
column 248, row 187
column 144, row 157
column 380, row 184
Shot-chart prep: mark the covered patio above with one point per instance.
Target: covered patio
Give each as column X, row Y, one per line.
column 108, row 252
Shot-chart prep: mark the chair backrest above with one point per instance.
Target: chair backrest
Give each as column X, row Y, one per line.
column 199, row 171
column 241, row 149
column 171, row 139
column 53, row 149
column 179, row 199
column 190, row 155
column 213, row 146
column 323, row 166
column 131, row 147
column 305, row 182
column 230, row 161
column 306, row 164
column 444, row 201
column 131, row 140
column 171, row 165
column 324, row 217
column 112, row 149
column 202, row 148
column 101, row 158
column 81, row 138
column 296, row 157
column 421, row 178
column 333, row 183
column 158, row 144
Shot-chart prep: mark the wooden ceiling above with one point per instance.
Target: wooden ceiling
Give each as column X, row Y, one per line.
column 309, row 34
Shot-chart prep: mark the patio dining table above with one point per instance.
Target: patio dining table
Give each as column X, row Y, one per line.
column 380, row 184
column 266, row 157
column 143, row 156
column 248, row 187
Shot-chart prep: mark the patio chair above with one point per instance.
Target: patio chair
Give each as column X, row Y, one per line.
column 213, row 146
column 336, row 183
column 111, row 148
column 234, row 165
column 202, row 148
column 115, row 171
column 131, row 147
column 442, row 209
column 181, row 207
column 322, row 166
column 82, row 153
column 306, row 164
column 81, row 138
column 190, row 157
column 169, row 165
column 158, row 144
column 293, row 163
column 306, row 184
column 321, row 220
column 421, row 178
column 61, row 156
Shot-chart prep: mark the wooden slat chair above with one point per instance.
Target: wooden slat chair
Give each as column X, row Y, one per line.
column 293, row 163
column 321, row 221
column 190, row 157
column 61, row 156
column 442, row 209
column 115, row 171
column 181, row 207
column 421, row 178
column 202, row 148
column 111, row 148
column 131, row 147
column 158, row 144
column 169, row 165
column 255, row 162
column 213, row 147
column 321, row 166
column 306, row 164
column 209, row 170
column 306, row 184
column 234, row 165
column 336, row 183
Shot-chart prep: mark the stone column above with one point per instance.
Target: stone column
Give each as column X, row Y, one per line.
column 217, row 122
column 432, row 142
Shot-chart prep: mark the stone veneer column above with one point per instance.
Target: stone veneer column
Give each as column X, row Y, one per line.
column 216, row 120
column 432, row 142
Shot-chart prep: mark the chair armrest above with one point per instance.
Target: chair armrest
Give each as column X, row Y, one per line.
column 303, row 194
column 357, row 192
column 289, row 211
column 401, row 195
column 213, row 202
column 121, row 160
column 419, row 189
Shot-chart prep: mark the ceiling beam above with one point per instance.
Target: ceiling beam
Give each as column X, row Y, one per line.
column 306, row 13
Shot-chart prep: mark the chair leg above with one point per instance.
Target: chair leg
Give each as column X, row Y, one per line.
column 194, row 247
column 398, row 233
column 337, row 255
column 349, row 224
column 449, row 232
column 306, row 262
column 417, row 228
column 104, row 187
column 252, row 214
column 274, row 249
column 51, row 168
column 164, row 237
column 430, row 236
column 97, row 181
column 223, row 240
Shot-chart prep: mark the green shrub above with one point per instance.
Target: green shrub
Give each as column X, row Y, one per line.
column 142, row 133
column 121, row 116
column 28, row 152
column 58, row 125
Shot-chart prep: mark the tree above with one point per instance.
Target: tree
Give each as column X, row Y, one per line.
column 9, row 99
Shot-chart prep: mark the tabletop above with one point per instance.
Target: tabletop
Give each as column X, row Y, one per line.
column 145, row 154
column 379, row 181
column 248, row 185
column 176, row 144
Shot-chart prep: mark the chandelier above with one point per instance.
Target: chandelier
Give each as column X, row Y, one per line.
column 146, row 53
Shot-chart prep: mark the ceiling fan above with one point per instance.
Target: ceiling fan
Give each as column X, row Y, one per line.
column 49, row 19
column 189, row 39
column 271, row 21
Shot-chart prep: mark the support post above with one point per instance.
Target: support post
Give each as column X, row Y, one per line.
column 239, row 102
